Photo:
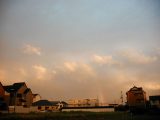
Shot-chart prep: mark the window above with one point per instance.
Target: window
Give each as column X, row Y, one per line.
column 19, row 95
column 46, row 108
column 25, row 106
column 39, row 107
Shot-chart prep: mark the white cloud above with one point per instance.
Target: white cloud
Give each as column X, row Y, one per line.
column 70, row 66
column 137, row 57
column 152, row 86
column 54, row 71
column 22, row 71
column 40, row 71
column 103, row 59
column 88, row 69
column 80, row 70
column 29, row 49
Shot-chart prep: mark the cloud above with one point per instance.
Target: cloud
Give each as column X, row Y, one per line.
column 88, row 69
column 137, row 57
column 29, row 49
column 40, row 71
column 103, row 59
column 22, row 71
column 70, row 66
column 152, row 86
column 79, row 67
column 108, row 59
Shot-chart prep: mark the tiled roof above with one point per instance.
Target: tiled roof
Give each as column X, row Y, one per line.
column 18, row 85
column 27, row 90
column 1, row 86
column 9, row 88
column 42, row 103
column 55, row 102
column 35, row 94
column 14, row 87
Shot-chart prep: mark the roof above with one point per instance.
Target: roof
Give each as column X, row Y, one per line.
column 55, row 102
column 9, row 88
column 47, row 103
column 13, row 88
column 18, row 85
column 156, row 97
column 136, row 89
column 27, row 90
column 64, row 103
column 42, row 103
column 1, row 85
column 35, row 95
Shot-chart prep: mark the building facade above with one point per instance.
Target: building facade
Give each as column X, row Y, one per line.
column 136, row 97
column 3, row 105
column 18, row 95
column 155, row 101
column 2, row 92
column 83, row 103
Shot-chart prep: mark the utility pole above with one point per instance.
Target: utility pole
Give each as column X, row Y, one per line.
column 121, row 97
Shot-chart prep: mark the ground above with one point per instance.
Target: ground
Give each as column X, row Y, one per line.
column 80, row 116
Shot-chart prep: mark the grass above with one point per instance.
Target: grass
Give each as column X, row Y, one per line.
column 79, row 116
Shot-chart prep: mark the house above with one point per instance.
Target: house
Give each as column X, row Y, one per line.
column 36, row 97
column 155, row 101
column 18, row 95
column 59, row 104
column 45, row 105
column 3, row 105
column 1, row 91
column 136, row 97
column 28, row 97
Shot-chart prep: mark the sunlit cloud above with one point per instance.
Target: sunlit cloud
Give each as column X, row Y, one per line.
column 137, row 57
column 103, row 59
column 89, row 70
column 152, row 86
column 79, row 67
column 22, row 71
column 54, row 71
column 70, row 66
column 157, row 50
column 29, row 49
column 40, row 71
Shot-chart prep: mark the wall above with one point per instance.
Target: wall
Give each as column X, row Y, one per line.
column 90, row 110
column 20, row 91
column 21, row 109
column 1, row 91
column 29, row 99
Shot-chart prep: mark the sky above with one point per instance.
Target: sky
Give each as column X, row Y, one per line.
column 76, row 49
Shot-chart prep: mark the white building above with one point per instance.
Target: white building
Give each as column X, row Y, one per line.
column 83, row 102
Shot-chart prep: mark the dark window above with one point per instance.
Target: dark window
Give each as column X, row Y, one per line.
column 39, row 107
column 46, row 108
column 19, row 95
column 12, row 95
column 25, row 106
